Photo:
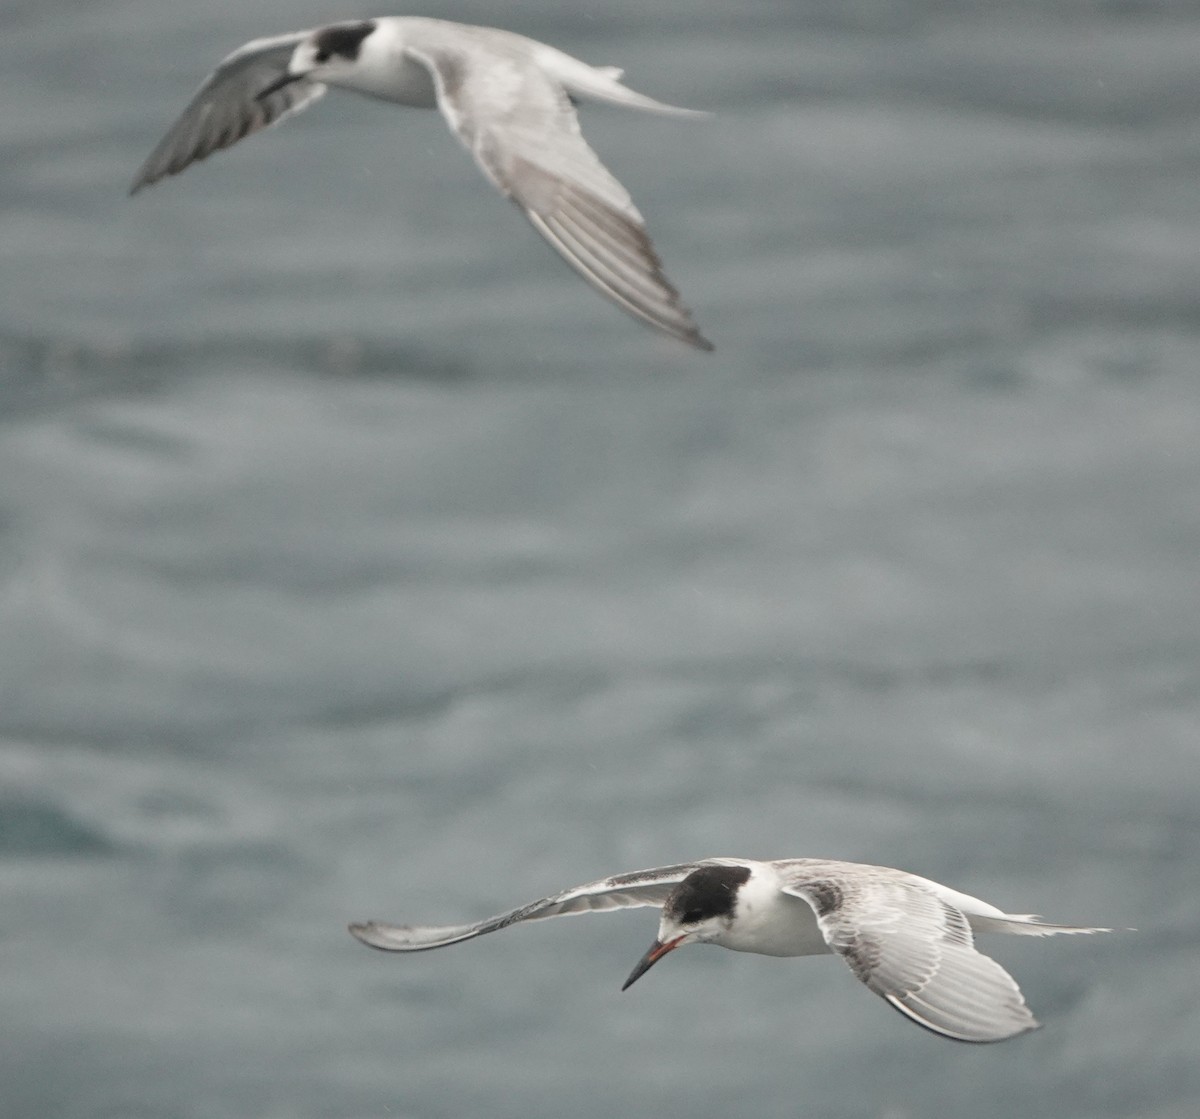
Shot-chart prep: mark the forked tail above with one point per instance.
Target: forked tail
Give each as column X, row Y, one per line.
column 602, row 83
column 1025, row 924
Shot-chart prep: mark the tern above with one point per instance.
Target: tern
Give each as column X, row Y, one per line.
column 509, row 99
column 909, row 939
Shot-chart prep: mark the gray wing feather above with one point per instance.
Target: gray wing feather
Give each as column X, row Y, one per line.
column 621, row 891
column 226, row 107
column 916, row 951
column 523, row 131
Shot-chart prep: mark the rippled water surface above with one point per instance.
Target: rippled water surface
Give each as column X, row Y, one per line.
column 358, row 561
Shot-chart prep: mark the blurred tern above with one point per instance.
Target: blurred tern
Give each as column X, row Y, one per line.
column 908, row 939
column 506, row 97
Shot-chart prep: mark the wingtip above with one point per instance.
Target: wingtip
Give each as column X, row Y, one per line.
column 686, row 329
column 362, row 931
column 142, row 180
column 385, row 937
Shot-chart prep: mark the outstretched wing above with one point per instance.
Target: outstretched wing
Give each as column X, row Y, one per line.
column 917, row 951
column 227, row 106
column 621, row 891
column 522, row 129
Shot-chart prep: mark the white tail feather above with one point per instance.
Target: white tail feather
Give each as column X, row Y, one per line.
column 1025, row 924
column 601, row 83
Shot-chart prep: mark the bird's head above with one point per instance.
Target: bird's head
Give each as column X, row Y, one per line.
column 326, row 55
column 698, row 911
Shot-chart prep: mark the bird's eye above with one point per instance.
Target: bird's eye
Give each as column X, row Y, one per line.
column 693, row 917
column 321, row 56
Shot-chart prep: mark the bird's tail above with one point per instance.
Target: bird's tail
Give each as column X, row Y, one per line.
column 602, row 83
column 1025, row 924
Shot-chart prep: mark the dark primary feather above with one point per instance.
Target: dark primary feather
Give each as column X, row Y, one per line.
column 227, row 107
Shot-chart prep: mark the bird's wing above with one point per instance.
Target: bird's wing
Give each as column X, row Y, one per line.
column 521, row 127
column 914, row 949
column 227, row 106
column 621, row 891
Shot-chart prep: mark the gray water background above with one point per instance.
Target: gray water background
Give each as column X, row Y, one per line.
column 358, row 561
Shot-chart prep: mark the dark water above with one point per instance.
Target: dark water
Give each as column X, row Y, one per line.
column 355, row 560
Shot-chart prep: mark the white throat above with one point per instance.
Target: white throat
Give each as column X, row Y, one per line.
column 383, row 70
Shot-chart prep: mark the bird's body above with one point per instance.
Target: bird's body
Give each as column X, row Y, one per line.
column 909, row 939
column 509, row 99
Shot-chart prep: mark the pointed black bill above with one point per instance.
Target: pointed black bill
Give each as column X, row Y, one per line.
column 278, row 84
column 657, row 950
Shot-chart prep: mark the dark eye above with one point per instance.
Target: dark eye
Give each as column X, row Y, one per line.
column 321, row 56
column 693, row 917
